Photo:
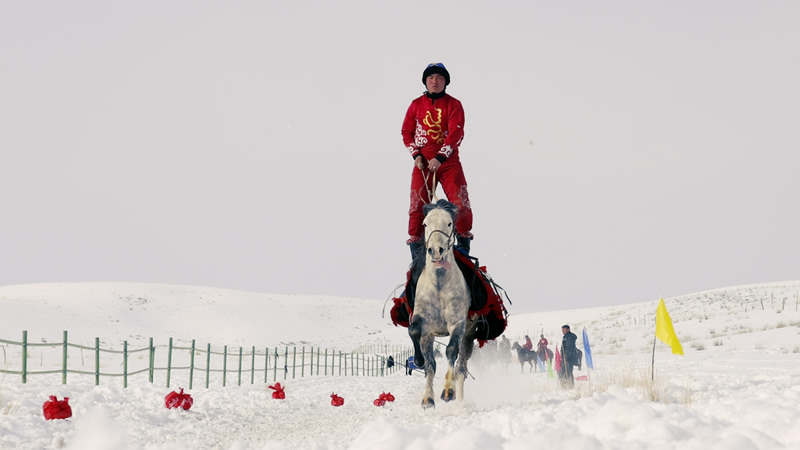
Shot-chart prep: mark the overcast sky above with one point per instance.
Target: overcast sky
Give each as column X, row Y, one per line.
column 615, row 152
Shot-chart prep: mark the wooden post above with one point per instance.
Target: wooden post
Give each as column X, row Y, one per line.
column 266, row 364
column 294, row 361
column 125, row 364
column 317, row 361
column 285, row 362
column 239, row 383
column 24, row 356
column 97, row 361
column 326, row 363
column 208, row 364
column 253, row 366
column 152, row 360
column 191, row 366
column 224, row 366
column 64, row 364
column 275, row 369
column 169, row 362
column 303, row 364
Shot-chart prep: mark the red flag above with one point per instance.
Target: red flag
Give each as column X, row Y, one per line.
column 336, row 400
column 57, row 409
column 558, row 360
column 279, row 392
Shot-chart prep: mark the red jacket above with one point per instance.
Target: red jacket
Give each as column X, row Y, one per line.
column 434, row 128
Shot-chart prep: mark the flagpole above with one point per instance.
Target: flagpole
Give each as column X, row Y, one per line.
column 653, row 367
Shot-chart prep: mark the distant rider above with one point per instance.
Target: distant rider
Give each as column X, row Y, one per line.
column 528, row 344
column 542, row 342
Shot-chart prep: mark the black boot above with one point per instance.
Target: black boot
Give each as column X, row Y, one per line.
column 463, row 244
column 416, row 247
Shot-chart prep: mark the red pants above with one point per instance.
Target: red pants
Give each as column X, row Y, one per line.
column 451, row 176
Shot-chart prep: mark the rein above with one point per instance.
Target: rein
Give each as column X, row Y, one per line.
column 432, row 198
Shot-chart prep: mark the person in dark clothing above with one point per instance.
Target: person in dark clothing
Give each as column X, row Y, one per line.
column 570, row 355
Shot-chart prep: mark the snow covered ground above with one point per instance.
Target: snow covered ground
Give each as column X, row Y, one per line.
column 737, row 387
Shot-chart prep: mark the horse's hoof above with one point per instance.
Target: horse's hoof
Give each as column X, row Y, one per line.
column 448, row 394
column 428, row 403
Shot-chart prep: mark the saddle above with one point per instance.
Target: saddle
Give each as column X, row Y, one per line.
column 487, row 298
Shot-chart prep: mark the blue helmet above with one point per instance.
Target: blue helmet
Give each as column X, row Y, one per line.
column 436, row 68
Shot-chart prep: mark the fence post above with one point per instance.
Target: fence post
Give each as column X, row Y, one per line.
column 225, row 366
column 286, row 362
column 208, row 364
column 169, row 362
column 312, row 362
column 340, row 364
column 124, row 364
column 24, row 356
column 64, row 364
column 303, row 363
column 97, row 361
column 239, row 382
column 294, row 361
column 326, row 362
column 191, row 366
column 253, row 367
column 152, row 360
column 311, row 365
column 275, row 366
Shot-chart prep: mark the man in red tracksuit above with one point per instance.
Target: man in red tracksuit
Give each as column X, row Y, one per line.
column 432, row 132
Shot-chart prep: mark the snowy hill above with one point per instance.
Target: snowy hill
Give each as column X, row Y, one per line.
column 736, row 387
column 119, row 311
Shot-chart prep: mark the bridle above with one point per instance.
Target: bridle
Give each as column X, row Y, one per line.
column 432, row 197
column 451, row 240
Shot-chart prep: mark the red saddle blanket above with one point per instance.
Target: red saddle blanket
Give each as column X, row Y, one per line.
column 487, row 299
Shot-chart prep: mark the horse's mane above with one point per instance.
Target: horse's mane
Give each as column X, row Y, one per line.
column 441, row 204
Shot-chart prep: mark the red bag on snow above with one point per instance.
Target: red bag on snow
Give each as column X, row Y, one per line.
column 336, row 400
column 178, row 400
column 384, row 397
column 279, row 393
column 57, row 409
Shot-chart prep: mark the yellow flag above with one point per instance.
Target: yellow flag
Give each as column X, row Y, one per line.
column 664, row 329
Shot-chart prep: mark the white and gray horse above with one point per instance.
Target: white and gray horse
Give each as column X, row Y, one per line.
column 441, row 304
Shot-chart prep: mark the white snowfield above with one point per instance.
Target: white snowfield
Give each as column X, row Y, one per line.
column 736, row 387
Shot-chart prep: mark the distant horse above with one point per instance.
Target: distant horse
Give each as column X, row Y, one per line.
column 441, row 304
column 544, row 354
column 525, row 356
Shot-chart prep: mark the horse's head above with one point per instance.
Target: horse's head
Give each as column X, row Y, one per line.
column 516, row 346
column 440, row 230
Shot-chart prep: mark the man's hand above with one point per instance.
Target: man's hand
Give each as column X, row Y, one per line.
column 419, row 161
column 433, row 165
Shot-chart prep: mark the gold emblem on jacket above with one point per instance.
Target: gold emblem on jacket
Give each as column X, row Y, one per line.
column 434, row 126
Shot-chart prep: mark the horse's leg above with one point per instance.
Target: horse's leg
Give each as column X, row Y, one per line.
column 430, row 370
column 456, row 338
column 415, row 332
column 461, row 373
